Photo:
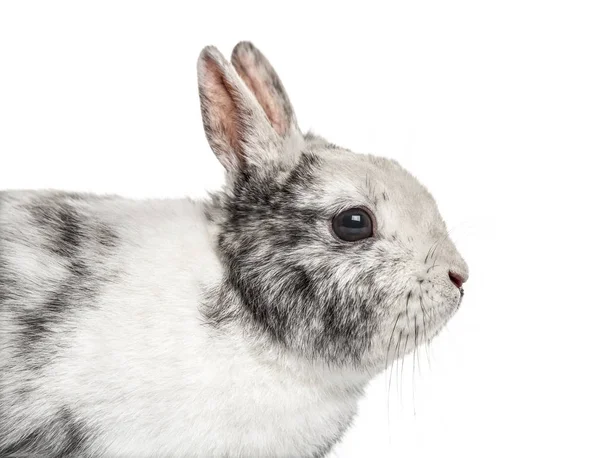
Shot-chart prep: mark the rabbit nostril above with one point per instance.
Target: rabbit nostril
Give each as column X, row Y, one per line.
column 456, row 279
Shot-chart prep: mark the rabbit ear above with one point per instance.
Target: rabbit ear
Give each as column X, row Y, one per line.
column 261, row 78
column 236, row 126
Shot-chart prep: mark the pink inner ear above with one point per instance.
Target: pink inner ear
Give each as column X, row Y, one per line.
column 223, row 116
column 259, row 81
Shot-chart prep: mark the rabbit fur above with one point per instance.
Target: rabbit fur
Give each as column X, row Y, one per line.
column 236, row 326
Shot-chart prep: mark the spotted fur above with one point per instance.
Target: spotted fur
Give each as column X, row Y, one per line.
column 235, row 326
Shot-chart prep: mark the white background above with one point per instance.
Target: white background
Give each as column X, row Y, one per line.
column 495, row 106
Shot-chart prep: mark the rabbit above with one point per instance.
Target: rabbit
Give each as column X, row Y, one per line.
column 246, row 324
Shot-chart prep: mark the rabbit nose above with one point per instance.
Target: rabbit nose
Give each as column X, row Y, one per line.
column 456, row 279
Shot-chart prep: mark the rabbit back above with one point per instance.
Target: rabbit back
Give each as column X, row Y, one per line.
column 79, row 274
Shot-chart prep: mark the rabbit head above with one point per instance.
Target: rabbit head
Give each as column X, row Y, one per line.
column 335, row 256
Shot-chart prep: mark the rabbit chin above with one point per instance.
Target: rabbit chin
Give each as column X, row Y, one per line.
column 410, row 327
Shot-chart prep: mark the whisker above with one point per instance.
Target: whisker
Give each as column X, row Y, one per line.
column 426, row 339
column 433, row 266
column 397, row 358
column 417, row 343
column 387, row 353
column 429, row 252
column 425, row 313
column 413, row 372
column 433, row 247
column 402, row 363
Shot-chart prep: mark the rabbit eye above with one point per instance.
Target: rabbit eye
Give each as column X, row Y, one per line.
column 352, row 225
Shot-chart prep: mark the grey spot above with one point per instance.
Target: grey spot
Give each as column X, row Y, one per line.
column 61, row 224
column 61, row 437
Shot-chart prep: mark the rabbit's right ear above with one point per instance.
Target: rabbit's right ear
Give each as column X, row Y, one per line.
column 235, row 124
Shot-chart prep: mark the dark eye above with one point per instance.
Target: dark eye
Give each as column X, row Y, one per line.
column 352, row 225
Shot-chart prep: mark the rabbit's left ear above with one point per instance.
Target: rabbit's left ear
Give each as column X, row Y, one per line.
column 262, row 80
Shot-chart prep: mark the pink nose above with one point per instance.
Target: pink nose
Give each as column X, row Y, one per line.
column 455, row 278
